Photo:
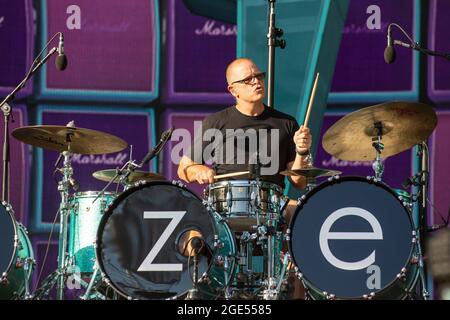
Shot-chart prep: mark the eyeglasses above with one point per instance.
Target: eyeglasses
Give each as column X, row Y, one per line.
column 249, row 80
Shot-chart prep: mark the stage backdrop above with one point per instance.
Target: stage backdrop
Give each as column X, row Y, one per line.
column 17, row 39
column 112, row 49
column 361, row 74
column 19, row 175
column 439, row 68
column 198, row 52
column 135, row 126
column 440, row 163
column 184, row 122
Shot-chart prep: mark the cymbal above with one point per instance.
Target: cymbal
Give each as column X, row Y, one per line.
column 83, row 141
column 404, row 124
column 311, row 172
column 108, row 174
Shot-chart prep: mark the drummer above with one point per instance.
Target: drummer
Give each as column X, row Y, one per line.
column 281, row 143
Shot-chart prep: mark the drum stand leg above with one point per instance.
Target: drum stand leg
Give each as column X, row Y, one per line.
column 28, row 265
column 87, row 294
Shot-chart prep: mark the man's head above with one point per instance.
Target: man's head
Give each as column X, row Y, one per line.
column 245, row 81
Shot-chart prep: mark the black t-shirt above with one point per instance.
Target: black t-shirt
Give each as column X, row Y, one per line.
column 230, row 139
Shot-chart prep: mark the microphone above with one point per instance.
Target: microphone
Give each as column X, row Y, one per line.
column 389, row 52
column 61, row 59
column 157, row 149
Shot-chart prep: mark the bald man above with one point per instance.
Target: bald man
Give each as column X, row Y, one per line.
column 288, row 144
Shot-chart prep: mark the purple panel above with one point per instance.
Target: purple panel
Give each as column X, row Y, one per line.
column 134, row 128
column 397, row 168
column 180, row 120
column 360, row 66
column 199, row 52
column 17, row 38
column 19, row 165
column 113, row 48
column 439, row 68
column 440, row 163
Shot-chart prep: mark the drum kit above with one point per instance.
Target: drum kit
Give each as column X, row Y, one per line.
column 349, row 238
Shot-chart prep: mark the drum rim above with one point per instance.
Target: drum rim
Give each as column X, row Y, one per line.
column 246, row 183
column 16, row 235
column 109, row 212
column 338, row 179
column 92, row 193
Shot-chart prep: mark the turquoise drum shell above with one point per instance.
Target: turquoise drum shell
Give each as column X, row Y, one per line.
column 85, row 217
column 16, row 275
column 220, row 274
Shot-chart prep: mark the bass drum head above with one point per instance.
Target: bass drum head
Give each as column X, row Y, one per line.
column 350, row 237
column 7, row 233
column 139, row 240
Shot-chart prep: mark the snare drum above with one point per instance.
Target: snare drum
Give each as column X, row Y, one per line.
column 143, row 244
column 238, row 201
column 85, row 217
column 353, row 238
column 16, row 258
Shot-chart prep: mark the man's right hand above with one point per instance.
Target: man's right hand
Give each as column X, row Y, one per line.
column 205, row 175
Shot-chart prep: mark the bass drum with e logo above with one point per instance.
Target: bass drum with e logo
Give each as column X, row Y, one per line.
column 353, row 238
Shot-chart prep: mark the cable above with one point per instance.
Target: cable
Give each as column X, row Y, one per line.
column 47, row 249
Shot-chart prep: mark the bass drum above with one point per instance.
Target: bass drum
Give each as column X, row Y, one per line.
column 353, row 238
column 145, row 243
column 16, row 258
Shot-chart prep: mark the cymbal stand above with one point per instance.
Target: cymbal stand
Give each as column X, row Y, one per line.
column 378, row 165
column 422, row 221
column 122, row 174
column 64, row 209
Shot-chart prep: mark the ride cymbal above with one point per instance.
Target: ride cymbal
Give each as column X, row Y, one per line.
column 402, row 124
column 57, row 138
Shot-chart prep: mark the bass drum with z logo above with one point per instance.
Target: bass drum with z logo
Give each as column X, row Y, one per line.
column 353, row 238
column 147, row 240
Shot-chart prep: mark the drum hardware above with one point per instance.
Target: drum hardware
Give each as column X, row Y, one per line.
column 67, row 140
column 378, row 165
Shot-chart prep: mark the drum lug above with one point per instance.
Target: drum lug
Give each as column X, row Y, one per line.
column 329, row 296
column 301, row 199
column 402, row 275
column 205, row 279
column 4, row 279
column 369, row 296
column 178, row 183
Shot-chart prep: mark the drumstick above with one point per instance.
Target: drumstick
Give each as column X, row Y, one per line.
column 233, row 174
column 311, row 100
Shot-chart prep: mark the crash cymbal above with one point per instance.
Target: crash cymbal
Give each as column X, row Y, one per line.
column 311, row 172
column 108, row 174
column 404, row 124
column 82, row 141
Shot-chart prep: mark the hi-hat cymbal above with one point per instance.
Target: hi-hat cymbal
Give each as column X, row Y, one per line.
column 108, row 174
column 311, row 172
column 404, row 124
column 82, row 141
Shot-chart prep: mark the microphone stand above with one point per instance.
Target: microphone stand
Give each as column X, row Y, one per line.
column 6, row 109
column 415, row 45
column 273, row 42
